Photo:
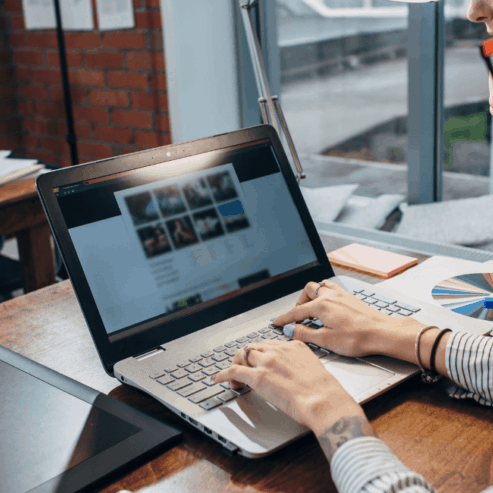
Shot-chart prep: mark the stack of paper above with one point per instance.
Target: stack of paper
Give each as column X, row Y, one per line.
column 16, row 169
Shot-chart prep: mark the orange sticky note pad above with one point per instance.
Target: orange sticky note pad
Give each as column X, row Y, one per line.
column 371, row 260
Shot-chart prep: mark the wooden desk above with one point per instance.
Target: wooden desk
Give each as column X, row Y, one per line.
column 22, row 215
column 447, row 441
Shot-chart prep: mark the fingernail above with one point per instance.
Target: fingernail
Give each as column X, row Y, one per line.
column 288, row 330
column 272, row 319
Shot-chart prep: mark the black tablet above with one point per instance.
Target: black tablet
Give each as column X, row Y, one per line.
column 61, row 436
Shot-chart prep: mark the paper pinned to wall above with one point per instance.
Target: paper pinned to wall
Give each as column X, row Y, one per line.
column 115, row 14
column 76, row 14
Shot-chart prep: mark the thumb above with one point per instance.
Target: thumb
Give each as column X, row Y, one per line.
column 305, row 334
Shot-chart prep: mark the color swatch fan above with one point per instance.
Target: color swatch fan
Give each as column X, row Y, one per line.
column 470, row 295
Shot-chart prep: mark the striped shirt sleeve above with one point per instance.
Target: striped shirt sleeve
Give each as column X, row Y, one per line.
column 469, row 362
column 367, row 465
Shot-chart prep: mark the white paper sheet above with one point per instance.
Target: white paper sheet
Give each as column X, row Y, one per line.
column 8, row 166
column 76, row 14
column 115, row 14
column 419, row 281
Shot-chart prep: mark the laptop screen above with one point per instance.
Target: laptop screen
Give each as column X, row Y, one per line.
column 169, row 239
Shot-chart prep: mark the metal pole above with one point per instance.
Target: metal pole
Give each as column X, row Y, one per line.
column 71, row 137
column 269, row 105
column 258, row 63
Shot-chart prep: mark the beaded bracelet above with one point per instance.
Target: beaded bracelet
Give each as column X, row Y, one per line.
column 426, row 376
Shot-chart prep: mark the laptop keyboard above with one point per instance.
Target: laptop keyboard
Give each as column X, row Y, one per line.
column 191, row 379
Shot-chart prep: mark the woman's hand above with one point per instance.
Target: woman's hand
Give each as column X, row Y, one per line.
column 351, row 328
column 293, row 379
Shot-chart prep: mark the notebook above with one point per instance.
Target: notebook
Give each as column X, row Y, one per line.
column 179, row 257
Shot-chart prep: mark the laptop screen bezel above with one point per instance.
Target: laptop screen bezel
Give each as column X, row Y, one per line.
column 112, row 352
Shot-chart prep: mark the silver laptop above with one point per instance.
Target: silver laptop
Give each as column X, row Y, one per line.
column 181, row 255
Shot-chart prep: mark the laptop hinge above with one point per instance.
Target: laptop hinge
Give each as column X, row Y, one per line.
column 149, row 353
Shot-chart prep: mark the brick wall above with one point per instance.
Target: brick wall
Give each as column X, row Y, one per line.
column 10, row 130
column 118, row 87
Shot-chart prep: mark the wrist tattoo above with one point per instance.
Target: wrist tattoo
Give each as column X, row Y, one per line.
column 341, row 431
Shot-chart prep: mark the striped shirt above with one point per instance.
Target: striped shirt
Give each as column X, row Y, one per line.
column 367, row 465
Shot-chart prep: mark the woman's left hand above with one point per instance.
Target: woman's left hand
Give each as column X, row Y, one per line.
column 351, row 328
column 293, row 379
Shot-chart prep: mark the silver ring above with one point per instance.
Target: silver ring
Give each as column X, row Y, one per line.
column 246, row 350
column 320, row 284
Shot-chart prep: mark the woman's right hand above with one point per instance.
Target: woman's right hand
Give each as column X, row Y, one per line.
column 294, row 380
column 351, row 328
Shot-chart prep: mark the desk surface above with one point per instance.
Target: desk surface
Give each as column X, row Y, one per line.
column 447, row 441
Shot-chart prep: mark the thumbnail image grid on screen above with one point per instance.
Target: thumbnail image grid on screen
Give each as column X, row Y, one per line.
column 177, row 216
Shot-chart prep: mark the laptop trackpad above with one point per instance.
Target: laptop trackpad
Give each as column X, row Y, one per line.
column 356, row 376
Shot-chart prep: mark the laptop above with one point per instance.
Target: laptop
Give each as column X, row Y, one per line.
column 181, row 255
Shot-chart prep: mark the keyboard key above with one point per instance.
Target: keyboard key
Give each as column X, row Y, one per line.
column 392, row 308
column 257, row 340
column 242, row 345
column 360, row 296
column 317, row 323
column 211, row 404
column 207, row 355
column 183, row 364
column 157, row 374
column 359, row 290
column 209, row 382
column 179, row 384
column 206, row 394
column 241, row 390
column 220, row 357
column 366, row 292
column 192, row 389
column 196, row 359
column 196, row 377
column 370, row 300
column 389, row 301
column 411, row 308
column 387, row 312
column 406, row 313
column 230, row 360
column 381, row 304
column 264, row 331
column 226, row 385
column 231, row 352
column 193, row 368
column 223, row 364
column 219, row 349
column 227, row 396
column 212, row 370
column 171, row 368
column 180, row 373
column 277, row 330
column 206, row 362
column 375, row 307
column 230, row 344
column 284, row 338
column 253, row 335
column 165, row 380
column 242, row 339
column 270, row 336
